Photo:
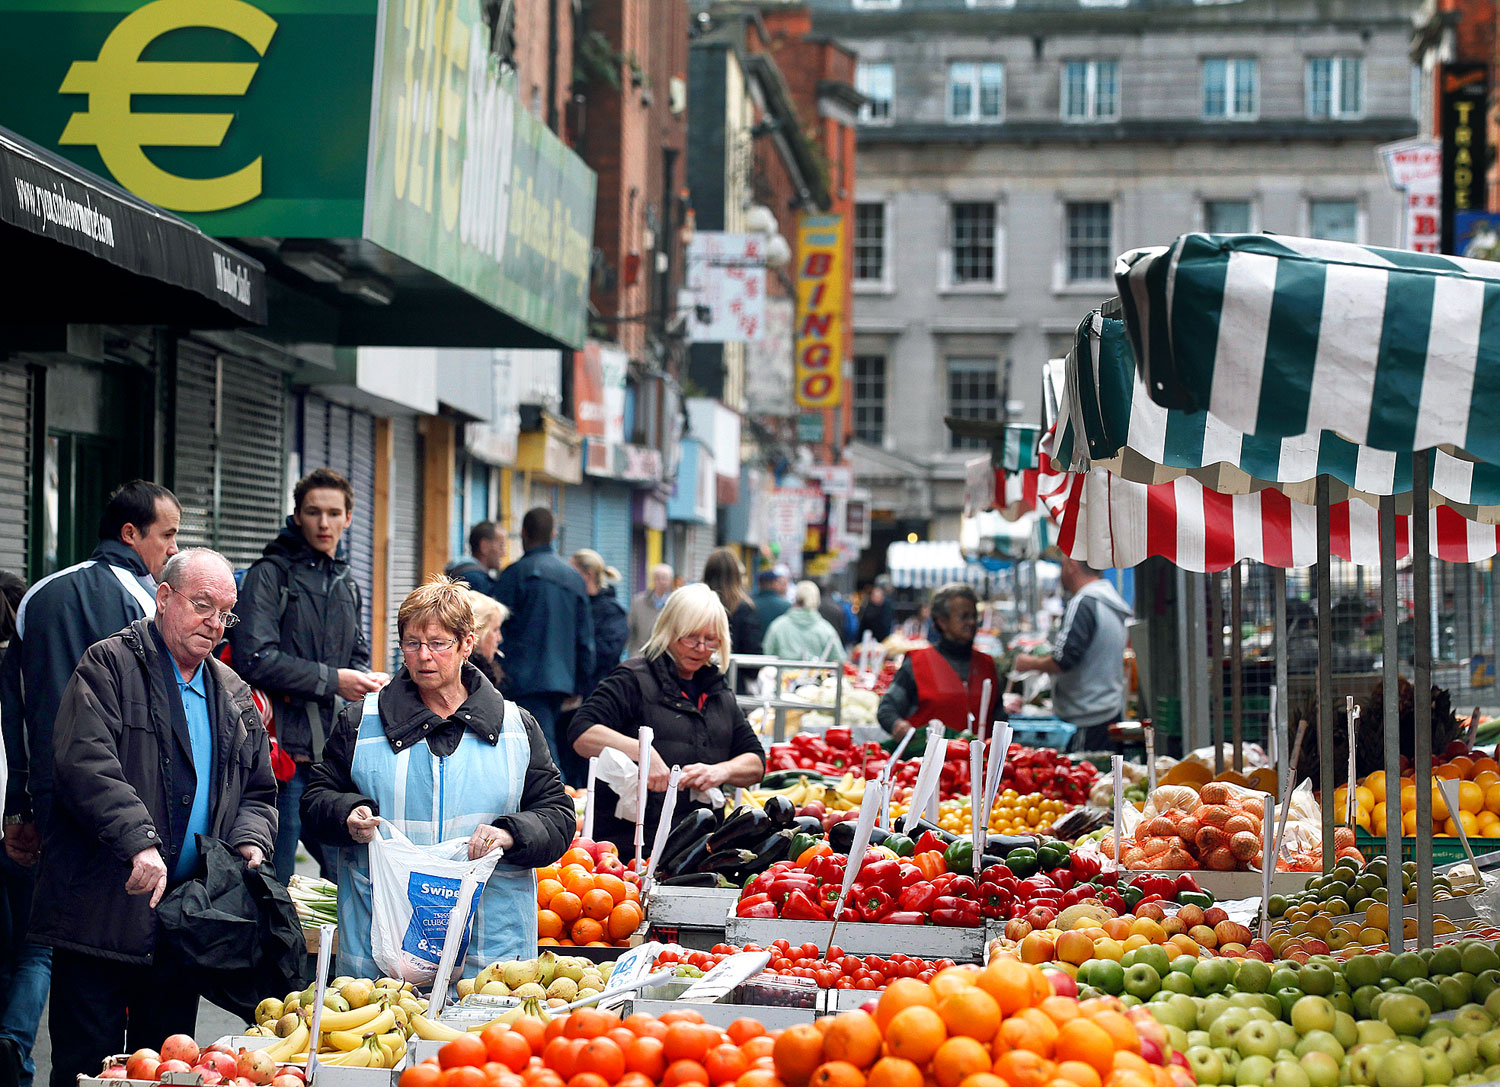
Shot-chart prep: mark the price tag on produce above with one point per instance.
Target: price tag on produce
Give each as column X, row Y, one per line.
column 634, row 965
column 1117, row 767
column 977, row 822
column 985, row 693
column 326, row 935
column 1286, row 791
column 643, row 772
column 1267, row 863
column 588, row 803
column 728, row 976
column 1273, row 733
column 1148, row 732
column 929, row 774
column 1450, row 799
column 664, row 826
column 1351, row 805
column 869, row 807
column 999, row 749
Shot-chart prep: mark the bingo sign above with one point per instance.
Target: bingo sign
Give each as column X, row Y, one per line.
column 820, row 311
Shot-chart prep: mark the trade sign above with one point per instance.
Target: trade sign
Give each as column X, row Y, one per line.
column 821, row 319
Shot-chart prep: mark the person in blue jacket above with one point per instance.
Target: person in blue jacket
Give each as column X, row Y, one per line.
column 549, row 637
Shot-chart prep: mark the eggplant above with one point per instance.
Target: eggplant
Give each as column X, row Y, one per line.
column 808, row 824
column 1004, row 843
column 693, row 827
column 689, row 860
column 726, row 861
column 690, row 879
column 776, row 846
column 781, row 811
column 841, row 836
column 741, row 829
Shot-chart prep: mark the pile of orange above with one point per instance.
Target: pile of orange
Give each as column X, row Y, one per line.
column 1478, row 799
column 592, row 1048
column 579, row 907
column 1000, row 1026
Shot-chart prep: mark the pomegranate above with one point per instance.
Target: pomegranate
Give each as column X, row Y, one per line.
column 256, row 1065
column 221, row 1061
column 180, row 1047
column 114, row 1071
column 209, row 1076
column 172, row 1066
column 143, row 1064
column 219, row 1047
column 287, row 1080
column 293, row 1070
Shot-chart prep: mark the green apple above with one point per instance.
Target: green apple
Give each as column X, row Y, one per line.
column 1472, row 1019
column 1288, row 1073
column 1283, row 977
column 1170, row 1014
column 1489, row 1047
column 1176, row 1038
column 1178, row 982
column 1373, row 1031
column 1183, row 964
column 1142, row 980
column 1107, row 975
column 1319, row 1041
column 1312, row 1013
column 1362, row 970
column 1260, row 1015
column 1364, row 1000
column 1212, row 975
column 1205, row 1064
column 1345, row 1029
column 1154, row 956
column 1405, row 1014
column 1322, row 1070
column 1256, row 1039
column 1458, row 1051
column 1492, row 1003
column 1428, row 990
column 1252, row 976
column 1362, row 1066
column 1253, row 1071
column 1476, row 957
column 1222, row 1030
column 1245, row 1000
column 1289, row 1037
column 1485, row 984
column 1454, row 991
column 1409, row 965
column 1130, row 1001
column 1316, row 979
column 1343, row 1002
column 1436, row 1067
column 1401, row 1066
column 1210, row 1008
column 1198, row 1038
column 1438, row 1028
column 1288, row 997
column 1445, row 960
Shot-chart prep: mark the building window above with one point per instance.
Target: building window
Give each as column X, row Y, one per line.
column 1226, row 216
column 973, row 393
column 1335, row 88
column 1231, row 88
column 1091, row 90
column 973, row 245
column 1333, row 220
column 976, row 92
column 869, row 398
column 1088, row 250
column 869, row 243
column 876, row 81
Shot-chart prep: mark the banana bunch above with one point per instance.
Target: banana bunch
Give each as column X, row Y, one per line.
column 803, row 792
column 433, row 1031
column 847, row 794
column 365, row 1023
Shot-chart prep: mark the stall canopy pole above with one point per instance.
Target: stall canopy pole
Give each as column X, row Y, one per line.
column 1283, row 734
column 1390, row 695
column 1237, row 665
column 1201, row 729
column 1216, row 666
column 1326, row 761
column 1422, row 694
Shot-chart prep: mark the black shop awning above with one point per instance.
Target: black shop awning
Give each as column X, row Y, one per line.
column 80, row 250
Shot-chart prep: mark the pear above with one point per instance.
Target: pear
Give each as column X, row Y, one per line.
column 335, row 1001
column 465, row 988
column 269, row 1009
column 521, row 972
column 340, row 981
column 287, row 1023
column 586, row 990
column 570, row 968
column 495, row 988
column 563, row 988
column 357, row 993
column 530, row 991
column 590, row 979
column 490, row 973
column 546, row 964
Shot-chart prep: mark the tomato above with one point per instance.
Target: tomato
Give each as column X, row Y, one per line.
column 835, row 952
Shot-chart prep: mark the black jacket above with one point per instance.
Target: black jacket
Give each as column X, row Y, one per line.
column 542, row 828
column 114, row 746
column 292, row 646
column 58, row 619
column 877, row 619
column 611, row 630
column 745, row 629
column 549, row 637
column 649, row 692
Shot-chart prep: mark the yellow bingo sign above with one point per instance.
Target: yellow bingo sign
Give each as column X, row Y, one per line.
column 821, row 320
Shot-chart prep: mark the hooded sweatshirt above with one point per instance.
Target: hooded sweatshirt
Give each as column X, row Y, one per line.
column 1090, row 650
column 802, row 635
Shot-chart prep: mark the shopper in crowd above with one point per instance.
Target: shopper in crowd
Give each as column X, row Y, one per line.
column 676, row 686
column 60, row 617
column 500, row 787
column 24, row 966
column 770, row 597
column 119, row 838
column 802, row 633
column 1087, row 664
column 878, row 615
column 301, row 639
column 551, row 653
column 611, row 626
column 725, row 575
column 480, row 567
column 943, row 682
column 833, row 608
column 647, row 606
column 489, row 617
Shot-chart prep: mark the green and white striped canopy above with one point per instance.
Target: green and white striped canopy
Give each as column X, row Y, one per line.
column 1017, row 450
column 1279, row 336
column 1111, row 422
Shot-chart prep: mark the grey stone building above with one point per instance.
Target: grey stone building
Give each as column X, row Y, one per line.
column 1011, row 149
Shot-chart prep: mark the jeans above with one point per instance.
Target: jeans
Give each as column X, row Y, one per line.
column 89, row 1020
column 289, row 825
column 26, row 969
column 547, row 708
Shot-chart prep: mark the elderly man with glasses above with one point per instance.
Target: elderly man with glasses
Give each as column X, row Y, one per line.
column 156, row 742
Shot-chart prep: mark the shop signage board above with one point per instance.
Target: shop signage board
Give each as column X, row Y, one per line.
column 768, row 362
column 821, row 332
column 599, row 404
column 1463, row 95
column 726, row 285
column 239, row 116
column 1415, row 169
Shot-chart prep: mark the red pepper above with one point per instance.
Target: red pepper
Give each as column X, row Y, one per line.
column 839, row 737
column 1084, row 866
column 929, row 842
column 919, row 897
column 884, row 874
column 955, row 913
column 904, row 917
column 963, row 887
column 874, row 904
column 753, row 900
column 1186, row 882
column 763, row 910
column 782, row 888
column 910, row 874
column 801, row 908
column 1064, row 878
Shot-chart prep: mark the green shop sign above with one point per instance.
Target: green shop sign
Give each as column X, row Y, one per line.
column 382, row 119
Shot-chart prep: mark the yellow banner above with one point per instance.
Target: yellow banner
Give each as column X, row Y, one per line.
column 821, row 321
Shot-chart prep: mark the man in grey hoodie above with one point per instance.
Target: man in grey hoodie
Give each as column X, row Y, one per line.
column 1088, row 657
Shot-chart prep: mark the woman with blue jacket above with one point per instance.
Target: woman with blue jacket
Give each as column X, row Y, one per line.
column 441, row 755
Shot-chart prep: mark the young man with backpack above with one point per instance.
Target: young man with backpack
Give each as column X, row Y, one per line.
column 301, row 641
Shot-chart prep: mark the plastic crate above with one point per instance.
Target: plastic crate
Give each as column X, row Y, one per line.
column 1445, row 850
column 1168, row 720
column 1048, row 732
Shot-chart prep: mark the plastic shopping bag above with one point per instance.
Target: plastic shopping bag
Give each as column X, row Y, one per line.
column 414, row 890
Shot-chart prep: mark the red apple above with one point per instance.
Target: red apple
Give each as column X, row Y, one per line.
column 1213, row 915
column 1040, row 917
column 813, row 808
column 143, row 1064
column 868, row 1007
column 1151, row 1052
column 1017, row 928
column 1152, row 910
column 1062, row 984
column 588, row 845
column 180, row 1047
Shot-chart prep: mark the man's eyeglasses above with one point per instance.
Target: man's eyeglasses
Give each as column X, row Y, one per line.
column 699, row 643
column 437, row 649
column 206, row 610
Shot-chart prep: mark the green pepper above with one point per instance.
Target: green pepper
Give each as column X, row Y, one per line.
column 1133, row 895
column 900, row 845
column 1194, row 898
column 1022, row 862
column 959, row 857
column 1052, row 855
column 801, row 843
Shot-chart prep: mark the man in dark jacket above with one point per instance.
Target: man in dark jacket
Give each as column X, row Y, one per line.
column 877, row 616
column 301, row 639
column 60, row 617
column 549, row 637
column 770, row 598
column 155, row 743
column 486, row 554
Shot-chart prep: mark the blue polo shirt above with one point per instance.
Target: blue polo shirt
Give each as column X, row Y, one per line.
column 194, row 697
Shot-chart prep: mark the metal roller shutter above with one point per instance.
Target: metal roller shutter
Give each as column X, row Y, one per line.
column 698, row 544
column 612, row 531
column 194, row 472
column 575, row 529
column 343, row 439
column 404, row 562
column 15, row 466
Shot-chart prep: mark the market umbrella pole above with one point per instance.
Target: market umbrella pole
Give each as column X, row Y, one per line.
column 1326, row 761
column 1216, row 666
column 1390, row 700
column 1421, row 565
column 1236, row 667
column 1279, row 722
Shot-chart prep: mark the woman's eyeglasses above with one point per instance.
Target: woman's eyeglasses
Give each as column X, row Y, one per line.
column 699, row 643
column 437, row 649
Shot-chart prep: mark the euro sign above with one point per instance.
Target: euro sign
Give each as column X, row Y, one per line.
column 121, row 135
